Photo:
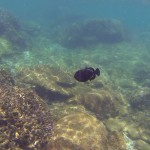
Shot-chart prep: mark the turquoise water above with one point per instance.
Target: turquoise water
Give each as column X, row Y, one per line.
column 134, row 12
column 43, row 44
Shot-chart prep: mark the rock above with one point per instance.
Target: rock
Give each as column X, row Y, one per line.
column 92, row 32
column 115, row 124
column 139, row 128
column 133, row 131
column 116, row 141
column 5, row 47
column 141, row 145
column 10, row 28
column 84, row 132
column 6, row 79
column 54, row 84
column 50, row 83
column 79, row 131
column 8, row 22
column 141, row 73
column 103, row 104
column 146, row 83
column 140, row 99
column 60, row 110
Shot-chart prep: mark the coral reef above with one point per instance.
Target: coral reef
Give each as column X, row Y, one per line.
column 141, row 145
column 116, row 141
column 83, row 131
column 141, row 73
column 100, row 97
column 50, row 83
column 25, row 121
column 10, row 28
column 140, row 99
column 139, row 132
column 6, row 79
column 79, row 131
column 56, row 85
column 5, row 47
column 59, row 110
column 32, row 29
column 92, row 32
column 115, row 124
column 103, row 104
column 8, row 22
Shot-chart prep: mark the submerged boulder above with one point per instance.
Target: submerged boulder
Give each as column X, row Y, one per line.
column 103, row 104
column 10, row 28
column 8, row 22
column 140, row 99
column 79, row 131
column 82, row 131
column 92, row 32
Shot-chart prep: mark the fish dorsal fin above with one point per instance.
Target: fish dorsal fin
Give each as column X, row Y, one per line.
column 97, row 72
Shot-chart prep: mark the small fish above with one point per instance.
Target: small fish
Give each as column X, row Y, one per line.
column 86, row 74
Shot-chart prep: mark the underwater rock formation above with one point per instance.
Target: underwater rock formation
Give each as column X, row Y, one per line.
column 59, row 110
column 5, row 47
column 10, row 28
column 79, row 131
column 93, row 32
column 141, row 145
column 8, row 22
column 84, row 132
column 142, row 73
column 116, row 141
column 50, row 83
column 103, row 104
column 56, row 85
column 115, row 124
column 140, row 100
column 32, row 29
column 25, row 120
column 6, row 79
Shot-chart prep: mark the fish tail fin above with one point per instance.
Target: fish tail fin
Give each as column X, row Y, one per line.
column 97, row 72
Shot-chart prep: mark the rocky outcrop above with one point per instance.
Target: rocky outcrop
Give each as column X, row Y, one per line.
column 83, row 131
column 92, row 32
column 102, row 103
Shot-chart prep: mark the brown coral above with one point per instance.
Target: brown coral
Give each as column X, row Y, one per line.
column 25, row 121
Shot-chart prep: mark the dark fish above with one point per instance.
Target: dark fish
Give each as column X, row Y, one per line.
column 86, row 74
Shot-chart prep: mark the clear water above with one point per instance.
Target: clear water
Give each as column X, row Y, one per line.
column 46, row 29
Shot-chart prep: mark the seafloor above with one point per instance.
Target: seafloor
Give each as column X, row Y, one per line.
column 42, row 106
